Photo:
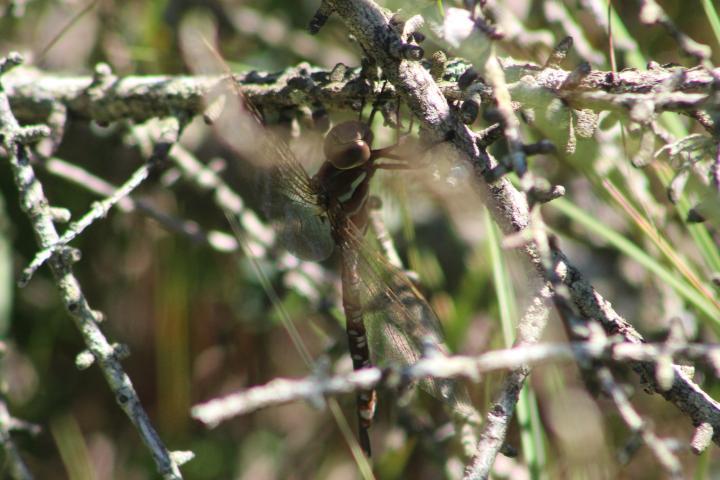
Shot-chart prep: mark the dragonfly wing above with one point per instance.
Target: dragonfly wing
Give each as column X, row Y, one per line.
column 400, row 323
column 305, row 231
column 291, row 204
column 285, row 186
column 287, row 196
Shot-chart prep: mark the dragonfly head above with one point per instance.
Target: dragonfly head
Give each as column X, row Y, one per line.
column 348, row 145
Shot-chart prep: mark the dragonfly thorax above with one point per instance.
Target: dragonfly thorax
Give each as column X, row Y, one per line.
column 348, row 145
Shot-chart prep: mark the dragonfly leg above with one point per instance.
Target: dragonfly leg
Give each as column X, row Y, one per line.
column 400, row 137
column 390, row 152
column 358, row 344
column 376, row 104
column 400, row 165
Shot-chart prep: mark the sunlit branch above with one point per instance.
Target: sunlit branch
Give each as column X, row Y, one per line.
column 314, row 388
column 33, row 94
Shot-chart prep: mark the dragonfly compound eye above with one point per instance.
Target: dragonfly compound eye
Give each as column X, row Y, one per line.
column 347, row 145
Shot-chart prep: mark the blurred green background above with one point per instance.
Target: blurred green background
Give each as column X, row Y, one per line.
column 198, row 322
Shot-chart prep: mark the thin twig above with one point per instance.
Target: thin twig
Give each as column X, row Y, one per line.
column 16, row 465
column 314, row 388
column 500, row 413
column 220, row 241
column 651, row 13
column 634, row 421
column 98, row 210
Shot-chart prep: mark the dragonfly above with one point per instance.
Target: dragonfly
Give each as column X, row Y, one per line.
column 388, row 321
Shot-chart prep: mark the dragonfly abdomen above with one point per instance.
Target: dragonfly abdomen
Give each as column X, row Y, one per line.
column 357, row 341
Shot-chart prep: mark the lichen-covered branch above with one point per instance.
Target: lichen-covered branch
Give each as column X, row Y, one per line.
column 36, row 206
column 34, row 94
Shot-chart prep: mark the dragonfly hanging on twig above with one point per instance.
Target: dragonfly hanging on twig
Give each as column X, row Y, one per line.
column 388, row 322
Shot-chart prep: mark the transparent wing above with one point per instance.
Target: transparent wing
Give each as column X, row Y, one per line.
column 292, row 205
column 287, row 195
column 288, row 198
column 400, row 322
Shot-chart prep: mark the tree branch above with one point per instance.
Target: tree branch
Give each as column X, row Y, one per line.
column 36, row 206
column 34, row 94
column 369, row 24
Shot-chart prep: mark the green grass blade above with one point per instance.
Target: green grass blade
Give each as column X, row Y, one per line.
column 702, row 466
column 503, row 285
column 713, row 18
column 531, row 434
column 631, row 250
column 673, row 123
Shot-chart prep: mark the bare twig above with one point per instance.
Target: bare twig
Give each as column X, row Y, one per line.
column 558, row 12
column 701, row 438
column 17, row 467
column 100, row 209
column 634, row 421
column 652, row 14
column 500, row 413
column 220, row 241
column 314, row 388
column 600, row 373
column 261, row 236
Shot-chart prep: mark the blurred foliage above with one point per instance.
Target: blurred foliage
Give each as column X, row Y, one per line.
column 198, row 322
